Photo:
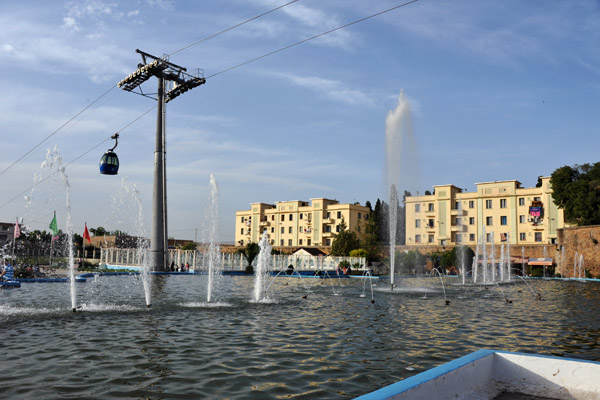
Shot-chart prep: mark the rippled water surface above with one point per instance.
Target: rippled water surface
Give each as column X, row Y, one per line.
column 311, row 338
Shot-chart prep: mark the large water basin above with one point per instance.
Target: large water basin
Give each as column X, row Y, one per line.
column 309, row 338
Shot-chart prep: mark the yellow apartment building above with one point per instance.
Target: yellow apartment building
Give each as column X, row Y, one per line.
column 298, row 223
column 499, row 212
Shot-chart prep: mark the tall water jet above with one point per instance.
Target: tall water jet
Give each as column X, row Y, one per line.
column 212, row 252
column 128, row 214
column 53, row 165
column 459, row 240
column 393, row 228
column 262, row 267
column 400, row 167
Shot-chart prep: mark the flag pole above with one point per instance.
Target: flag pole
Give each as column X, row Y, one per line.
column 83, row 242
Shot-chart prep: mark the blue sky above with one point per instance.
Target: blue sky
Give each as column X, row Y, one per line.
column 498, row 90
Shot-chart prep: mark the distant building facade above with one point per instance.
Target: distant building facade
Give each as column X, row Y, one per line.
column 298, row 223
column 498, row 212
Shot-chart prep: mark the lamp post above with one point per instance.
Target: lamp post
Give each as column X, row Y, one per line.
column 166, row 72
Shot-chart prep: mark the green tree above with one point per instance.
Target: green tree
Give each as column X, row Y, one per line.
column 99, row 231
column 410, row 262
column 344, row 242
column 577, row 191
column 189, row 246
column 250, row 252
column 359, row 253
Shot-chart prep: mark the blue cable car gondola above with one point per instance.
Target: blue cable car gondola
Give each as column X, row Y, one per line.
column 109, row 163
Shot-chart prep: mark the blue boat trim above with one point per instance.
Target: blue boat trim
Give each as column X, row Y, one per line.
column 436, row 372
column 419, row 379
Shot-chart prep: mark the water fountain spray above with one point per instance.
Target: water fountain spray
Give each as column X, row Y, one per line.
column 401, row 165
column 212, row 235
column 53, row 162
column 263, row 264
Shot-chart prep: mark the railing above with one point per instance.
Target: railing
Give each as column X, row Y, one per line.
column 228, row 261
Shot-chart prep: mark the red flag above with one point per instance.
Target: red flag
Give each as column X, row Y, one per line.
column 86, row 234
column 17, row 229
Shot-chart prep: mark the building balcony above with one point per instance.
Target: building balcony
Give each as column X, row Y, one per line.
column 458, row 228
column 457, row 212
column 430, row 212
column 328, row 234
column 265, row 223
column 430, row 228
column 328, row 220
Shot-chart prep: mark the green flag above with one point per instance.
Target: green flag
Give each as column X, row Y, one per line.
column 54, row 227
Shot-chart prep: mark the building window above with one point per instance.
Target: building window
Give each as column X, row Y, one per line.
column 328, row 215
column 471, row 220
column 417, row 238
column 502, row 203
column 488, row 204
column 458, row 221
column 538, row 236
column 242, row 231
column 471, row 237
column 503, row 220
column 522, row 236
column 327, row 242
column 337, row 228
column 300, row 229
column 458, row 237
column 417, row 208
column 521, row 219
column 282, row 229
column 290, row 229
column 282, row 217
column 417, row 223
column 339, row 214
column 489, row 237
column 430, row 207
column 537, row 199
column 430, row 239
column 300, row 242
column 242, row 220
column 291, row 217
column 300, row 215
column 272, row 229
column 456, row 205
column 281, row 242
column 430, row 223
column 521, row 201
column 359, row 215
column 327, row 228
column 289, row 242
column 488, row 221
column 471, row 203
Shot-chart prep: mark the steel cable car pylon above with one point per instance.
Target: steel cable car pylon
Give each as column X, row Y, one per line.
column 109, row 163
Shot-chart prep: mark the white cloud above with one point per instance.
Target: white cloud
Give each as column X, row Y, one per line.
column 334, row 90
column 70, row 23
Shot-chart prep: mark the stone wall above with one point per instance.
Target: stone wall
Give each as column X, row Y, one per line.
column 584, row 240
